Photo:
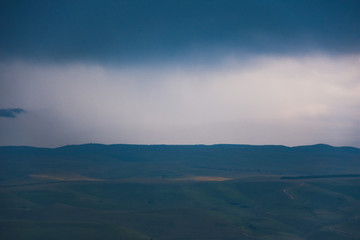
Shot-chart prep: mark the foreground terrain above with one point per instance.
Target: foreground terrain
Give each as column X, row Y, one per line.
column 180, row 192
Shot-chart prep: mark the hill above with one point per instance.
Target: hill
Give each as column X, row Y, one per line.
column 160, row 192
column 175, row 161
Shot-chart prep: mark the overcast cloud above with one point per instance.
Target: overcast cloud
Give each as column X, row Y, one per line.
column 180, row 72
column 264, row 100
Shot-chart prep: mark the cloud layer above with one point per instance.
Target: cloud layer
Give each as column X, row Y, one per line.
column 160, row 30
column 260, row 100
column 11, row 112
column 180, row 72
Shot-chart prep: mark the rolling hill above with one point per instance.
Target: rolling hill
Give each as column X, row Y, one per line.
column 95, row 191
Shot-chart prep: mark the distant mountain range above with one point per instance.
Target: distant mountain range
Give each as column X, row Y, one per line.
column 123, row 161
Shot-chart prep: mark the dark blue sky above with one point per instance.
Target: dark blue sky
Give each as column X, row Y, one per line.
column 140, row 30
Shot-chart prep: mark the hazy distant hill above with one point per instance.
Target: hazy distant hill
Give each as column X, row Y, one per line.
column 174, row 161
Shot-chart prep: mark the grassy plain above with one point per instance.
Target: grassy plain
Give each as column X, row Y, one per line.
column 179, row 192
column 255, row 208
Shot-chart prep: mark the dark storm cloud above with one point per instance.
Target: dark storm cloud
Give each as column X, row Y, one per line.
column 142, row 29
column 11, row 112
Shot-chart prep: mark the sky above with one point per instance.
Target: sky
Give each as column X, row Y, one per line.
column 179, row 72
